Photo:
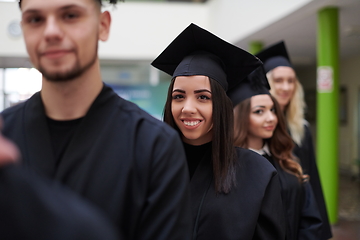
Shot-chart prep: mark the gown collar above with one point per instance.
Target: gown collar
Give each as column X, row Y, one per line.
column 263, row 151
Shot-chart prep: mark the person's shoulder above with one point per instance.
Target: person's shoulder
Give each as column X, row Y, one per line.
column 253, row 161
column 247, row 155
column 307, row 130
column 136, row 115
column 13, row 109
column 243, row 152
column 17, row 108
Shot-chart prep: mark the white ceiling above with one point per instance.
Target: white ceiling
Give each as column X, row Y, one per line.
column 299, row 31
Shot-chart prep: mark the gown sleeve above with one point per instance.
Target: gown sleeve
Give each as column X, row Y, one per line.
column 271, row 222
column 167, row 213
column 35, row 208
column 310, row 223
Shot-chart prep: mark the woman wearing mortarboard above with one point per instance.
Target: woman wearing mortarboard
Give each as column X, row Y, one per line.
column 287, row 90
column 260, row 126
column 235, row 192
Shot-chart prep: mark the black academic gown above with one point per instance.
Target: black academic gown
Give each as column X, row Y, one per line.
column 306, row 154
column 252, row 210
column 301, row 212
column 32, row 208
column 129, row 164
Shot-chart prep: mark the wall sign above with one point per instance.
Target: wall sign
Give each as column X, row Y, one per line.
column 325, row 79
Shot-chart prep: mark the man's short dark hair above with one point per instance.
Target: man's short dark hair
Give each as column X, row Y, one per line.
column 99, row 1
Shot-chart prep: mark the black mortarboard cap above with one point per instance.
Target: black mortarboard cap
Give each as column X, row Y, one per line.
column 275, row 56
column 196, row 51
column 255, row 83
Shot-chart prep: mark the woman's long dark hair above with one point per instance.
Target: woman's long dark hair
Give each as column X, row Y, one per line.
column 280, row 144
column 223, row 151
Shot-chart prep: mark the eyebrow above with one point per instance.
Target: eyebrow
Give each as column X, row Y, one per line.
column 61, row 9
column 202, row 90
column 196, row 91
column 258, row 106
column 178, row 90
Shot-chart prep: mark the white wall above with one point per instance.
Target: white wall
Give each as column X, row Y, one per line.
column 141, row 30
column 348, row 136
column 9, row 46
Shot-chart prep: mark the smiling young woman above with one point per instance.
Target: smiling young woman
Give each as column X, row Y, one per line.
column 222, row 177
column 191, row 107
column 263, row 119
column 260, row 126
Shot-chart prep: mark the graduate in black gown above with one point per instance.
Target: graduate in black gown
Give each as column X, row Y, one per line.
column 235, row 192
column 33, row 208
column 79, row 132
column 288, row 91
column 260, row 126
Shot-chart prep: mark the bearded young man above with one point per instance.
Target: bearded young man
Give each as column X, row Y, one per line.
column 77, row 131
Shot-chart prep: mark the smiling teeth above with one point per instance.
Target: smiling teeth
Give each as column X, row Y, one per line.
column 191, row 123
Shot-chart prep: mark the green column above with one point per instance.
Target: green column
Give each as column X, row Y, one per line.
column 327, row 106
column 255, row 47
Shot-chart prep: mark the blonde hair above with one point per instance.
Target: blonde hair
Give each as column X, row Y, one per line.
column 294, row 111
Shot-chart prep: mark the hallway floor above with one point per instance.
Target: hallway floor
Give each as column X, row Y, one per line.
column 348, row 225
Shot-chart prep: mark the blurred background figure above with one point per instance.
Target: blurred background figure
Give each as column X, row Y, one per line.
column 288, row 91
column 259, row 125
